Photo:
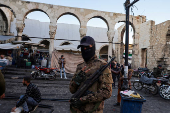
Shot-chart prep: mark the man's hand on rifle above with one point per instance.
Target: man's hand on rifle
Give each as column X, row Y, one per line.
column 81, row 76
column 76, row 103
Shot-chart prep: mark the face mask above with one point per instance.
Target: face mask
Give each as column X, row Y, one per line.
column 88, row 53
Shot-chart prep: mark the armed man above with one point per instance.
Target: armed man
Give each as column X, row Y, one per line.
column 92, row 101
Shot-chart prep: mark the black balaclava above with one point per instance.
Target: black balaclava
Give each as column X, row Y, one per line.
column 88, row 53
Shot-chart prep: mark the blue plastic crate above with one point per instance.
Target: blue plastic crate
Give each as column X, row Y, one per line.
column 131, row 105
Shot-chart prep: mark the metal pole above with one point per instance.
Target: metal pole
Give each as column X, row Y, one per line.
column 125, row 81
column 127, row 37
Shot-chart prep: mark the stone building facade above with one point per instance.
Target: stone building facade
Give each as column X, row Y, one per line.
column 151, row 42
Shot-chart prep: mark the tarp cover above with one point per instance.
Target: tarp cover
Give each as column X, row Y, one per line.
column 67, row 47
column 146, row 80
column 10, row 46
column 2, row 37
column 72, row 60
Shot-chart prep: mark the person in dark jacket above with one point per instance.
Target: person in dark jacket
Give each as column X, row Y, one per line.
column 115, row 72
column 157, row 72
column 31, row 98
column 2, row 86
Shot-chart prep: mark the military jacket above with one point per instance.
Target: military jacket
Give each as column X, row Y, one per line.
column 101, row 89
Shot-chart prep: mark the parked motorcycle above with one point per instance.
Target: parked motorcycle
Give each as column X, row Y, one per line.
column 143, row 73
column 147, row 83
column 165, row 88
column 41, row 72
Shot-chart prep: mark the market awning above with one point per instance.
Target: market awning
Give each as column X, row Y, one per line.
column 3, row 37
column 21, row 42
column 28, row 43
column 10, row 46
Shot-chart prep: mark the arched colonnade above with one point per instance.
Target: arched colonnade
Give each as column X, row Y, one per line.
column 21, row 9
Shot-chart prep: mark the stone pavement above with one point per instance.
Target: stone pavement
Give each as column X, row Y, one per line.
column 59, row 89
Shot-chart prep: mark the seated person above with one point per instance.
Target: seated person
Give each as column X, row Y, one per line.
column 9, row 58
column 157, row 72
column 31, row 98
column 3, row 62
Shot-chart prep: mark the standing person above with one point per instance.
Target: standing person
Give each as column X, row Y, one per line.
column 115, row 72
column 2, row 86
column 119, row 67
column 31, row 98
column 120, row 83
column 62, row 63
column 93, row 100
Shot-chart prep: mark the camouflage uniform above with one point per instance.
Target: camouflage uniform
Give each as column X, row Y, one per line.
column 102, row 89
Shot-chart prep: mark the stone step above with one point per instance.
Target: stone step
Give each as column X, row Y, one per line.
column 18, row 69
column 15, row 72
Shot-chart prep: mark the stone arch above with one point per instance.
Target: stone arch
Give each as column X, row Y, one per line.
column 101, row 17
column 3, row 22
column 130, row 23
column 120, row 47
column 104, row 51
column 70, row 13
column 3, row 5
column 65, row 43
column 32, row 10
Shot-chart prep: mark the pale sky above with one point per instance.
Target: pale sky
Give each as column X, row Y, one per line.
column 157, row 10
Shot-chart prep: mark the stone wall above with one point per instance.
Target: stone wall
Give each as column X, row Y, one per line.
column 158, row 50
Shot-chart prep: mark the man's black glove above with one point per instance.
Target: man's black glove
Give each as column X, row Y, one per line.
column 80, row 77
column 76, row 103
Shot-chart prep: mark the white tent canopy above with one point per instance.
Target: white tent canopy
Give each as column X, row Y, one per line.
column 10, row 46
column 21, row 42
column 2, row 37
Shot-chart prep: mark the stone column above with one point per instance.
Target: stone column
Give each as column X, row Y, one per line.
column 83, row 31
column 110, row 35
column 19, row 27
column 52, row 33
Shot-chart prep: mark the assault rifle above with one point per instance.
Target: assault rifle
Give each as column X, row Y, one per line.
column 90, row 81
